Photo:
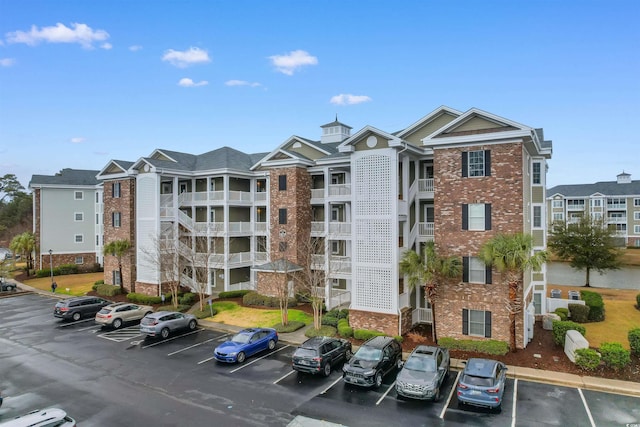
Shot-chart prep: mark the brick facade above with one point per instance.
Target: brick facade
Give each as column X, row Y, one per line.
column 125, row 205
column 382, row 322
column 88, row 261
column 504, row 191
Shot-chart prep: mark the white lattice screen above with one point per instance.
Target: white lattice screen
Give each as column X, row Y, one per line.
column 146, row 226
column 374, row 282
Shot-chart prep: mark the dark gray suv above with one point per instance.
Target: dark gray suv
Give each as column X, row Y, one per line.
column 79, row 307
column 373, row 360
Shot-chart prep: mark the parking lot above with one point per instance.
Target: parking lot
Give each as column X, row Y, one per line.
column 168, row 381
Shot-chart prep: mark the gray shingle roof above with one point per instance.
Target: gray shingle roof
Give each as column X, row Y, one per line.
column 221, row 158
column 607, row 188
column 67, row 177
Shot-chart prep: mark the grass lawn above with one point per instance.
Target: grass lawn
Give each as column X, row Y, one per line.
column 620, row 316
column 72, row 284
column 231, row 313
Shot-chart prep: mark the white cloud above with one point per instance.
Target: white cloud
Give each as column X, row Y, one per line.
column 186, row 82
column 78, row 140
column 135, row 48
column 288, row 64
column 106, row 46
column 7, row 62
column 241, row 83
column 82, row 34
column 348, row 99
column 190, row 56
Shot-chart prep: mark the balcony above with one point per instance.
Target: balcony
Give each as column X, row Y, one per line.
column 317, row 227
column 239, row 227
column 317, row 193
column 339, row 190
column 616, row 206
column 425, row 185
column 340, row 264
column 616, row 220
column 240, row 258
column 426, row 229
column 260, row 196
column 260, row 227
column 340, row 228
column 422, row 315
column 338, row 298
column 242, row 286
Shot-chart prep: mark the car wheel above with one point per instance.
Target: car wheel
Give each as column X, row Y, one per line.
column 117, row 323
column 76, row 316
column 436, row 396
column 272, row 344
column 327, row 369
column 378, row 379
column 192, row 325
column 164, row 333
column 498, row 409
column 461, row 405
column 240, row 358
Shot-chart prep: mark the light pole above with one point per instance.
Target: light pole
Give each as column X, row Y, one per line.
column 51, row 268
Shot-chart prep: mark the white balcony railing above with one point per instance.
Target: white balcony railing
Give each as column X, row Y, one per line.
column 242, row 286
column 239, row 227
column 421, row 315
column 426, row 229
column 317, row 227
column 260, row 227
column 260, row 196
column 425, row 185
column 338, row 298
column 317, row 193
column 342, row 228
column 243, row 196
column 339, row 189
column 403, row 300
column 616, row 206
column 240, row 257
column 616, row 220
column 216, row 195
column 341, row 264
column 260, row 257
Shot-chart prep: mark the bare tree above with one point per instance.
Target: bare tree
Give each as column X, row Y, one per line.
column 204, row 257
column 164, row 254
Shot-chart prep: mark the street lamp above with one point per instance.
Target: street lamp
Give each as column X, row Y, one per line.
column 51, row 264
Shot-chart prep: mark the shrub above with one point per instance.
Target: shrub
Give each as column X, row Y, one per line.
column 329, row 320
column 187, row 299
column 144, row 299
column 398, row 338
column 202, row 314
column 233, row 294
column 343, row 314
column 561, row 327
column 108, row 290
column 493, row 347
column 638, row 301
column 345, row 331
column 579, row 313
column 181, row 308
column 293, row 325
column 614, row 355
column 98, row 282
column 365, row 334
column 634, row 340
column 254, row 298
column 595, row 303
column 65, row 269
column 587, row 358
column 326, row 331
column 563, row 313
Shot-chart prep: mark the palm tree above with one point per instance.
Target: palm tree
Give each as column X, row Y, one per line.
column 511, row 255
column 431, row 272
column 118, row 248
column 24, row 244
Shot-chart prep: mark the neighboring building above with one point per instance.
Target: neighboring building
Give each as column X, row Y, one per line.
column 617, row 203
column 67, row 219
column 247, row 221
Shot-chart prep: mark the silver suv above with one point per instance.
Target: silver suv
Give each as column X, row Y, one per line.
column 116, row 314
column 162, row 323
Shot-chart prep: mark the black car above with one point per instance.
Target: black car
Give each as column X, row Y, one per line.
column 320, row 354
column 79, row 307
column 373, row 360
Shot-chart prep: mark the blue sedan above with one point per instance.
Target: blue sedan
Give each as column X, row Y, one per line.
column 246, row 343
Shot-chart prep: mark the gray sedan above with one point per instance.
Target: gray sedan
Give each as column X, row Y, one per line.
column 162, row 323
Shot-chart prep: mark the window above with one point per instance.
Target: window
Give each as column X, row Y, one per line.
column 558, row 217
column 558, row 203
column 575, row 204
column 596, row 203
column 115, row 188
column 636, row 202
column 115, row 219
column 636, row 229
column 282, row 182
column 282, row 216
column 537, row 216
column 476, row 216
column 476, row 163
column 116, row 277
column 596, row 215
column 536, row 173
column 537, row 303
column 78, row 216
column 78, row 195
column 79, row 238
column 636, row 215
column 335, row 247
column 79, row 260
column 476, row 323
column 475, row 271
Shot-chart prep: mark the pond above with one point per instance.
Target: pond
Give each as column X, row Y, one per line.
column 560, row 273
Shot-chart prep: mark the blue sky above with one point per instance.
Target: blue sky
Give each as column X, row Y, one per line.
column 84, row 82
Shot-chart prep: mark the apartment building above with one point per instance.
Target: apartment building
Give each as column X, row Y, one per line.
column 67, row 219
column 360, row 200
column 617, row 203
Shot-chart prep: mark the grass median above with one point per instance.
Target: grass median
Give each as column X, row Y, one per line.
column 71, row 284
column 231, row 313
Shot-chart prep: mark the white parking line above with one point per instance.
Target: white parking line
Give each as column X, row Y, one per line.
column 97, row 328
column 515, row 397
column 191, row 346
column 332, row 384
column 259, row 358
column 173, row 338
column 453, row 390
column 586, row 408
column 385, row 393
column 205, row 360
column 284, row 376
column 75, row 323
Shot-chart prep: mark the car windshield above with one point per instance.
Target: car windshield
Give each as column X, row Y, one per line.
column 421, row 364
column 305, row 352
column 369, row 354
column 479, row 381
column 241, row 338
column 105, row 311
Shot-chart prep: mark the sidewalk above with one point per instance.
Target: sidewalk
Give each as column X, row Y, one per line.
column 517, row 372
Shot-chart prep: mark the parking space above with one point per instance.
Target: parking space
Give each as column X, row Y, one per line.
column 524, row 403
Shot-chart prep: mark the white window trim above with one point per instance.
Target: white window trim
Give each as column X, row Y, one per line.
column 79, row 260
column 533, row 221
column 78, row 195
column 636, row 215
column 75, row 216
column 636, row 229
column 558, row 203
column 475, row 323
column 480, row 207
column 484, row 165
column 480, row 266
column 80, row 236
